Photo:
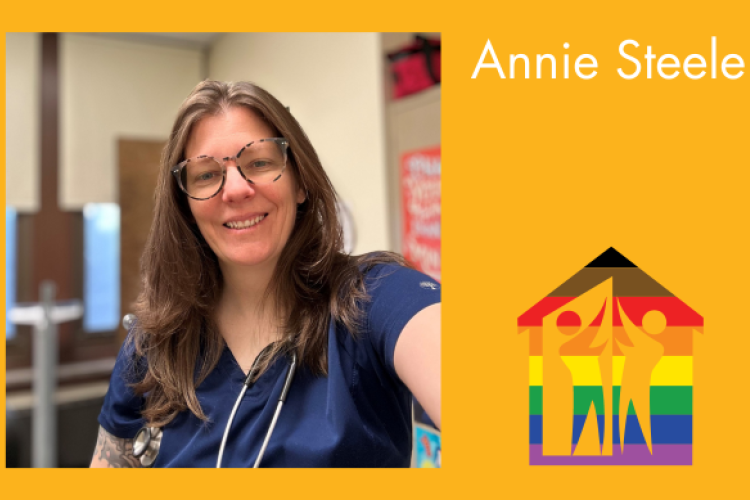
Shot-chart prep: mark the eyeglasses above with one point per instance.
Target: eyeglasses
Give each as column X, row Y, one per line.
column 259, row 162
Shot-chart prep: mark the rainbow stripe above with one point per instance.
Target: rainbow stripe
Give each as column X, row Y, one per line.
column 671, row 380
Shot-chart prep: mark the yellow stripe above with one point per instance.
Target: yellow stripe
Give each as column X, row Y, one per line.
column 671, row 370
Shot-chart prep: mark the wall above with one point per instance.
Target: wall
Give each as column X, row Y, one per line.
column 112, row 89
column 22, row 113
column 412, row 122
column 333, row 85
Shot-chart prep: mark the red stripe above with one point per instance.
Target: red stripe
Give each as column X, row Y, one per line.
column 533, row 317
column 676, row 311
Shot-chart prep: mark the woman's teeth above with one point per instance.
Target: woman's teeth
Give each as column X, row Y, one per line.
column 246, row 223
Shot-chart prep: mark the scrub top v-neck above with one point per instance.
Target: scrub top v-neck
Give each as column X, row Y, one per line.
column 359, row 415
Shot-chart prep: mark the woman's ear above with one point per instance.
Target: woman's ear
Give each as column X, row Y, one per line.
column 301, row 196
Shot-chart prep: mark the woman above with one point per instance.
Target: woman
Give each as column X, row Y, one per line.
column 247, row 295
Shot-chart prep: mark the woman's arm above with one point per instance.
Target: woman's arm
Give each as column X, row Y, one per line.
column 112, row 451
column 417, row 359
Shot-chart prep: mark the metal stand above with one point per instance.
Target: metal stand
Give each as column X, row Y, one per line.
column 45, row 316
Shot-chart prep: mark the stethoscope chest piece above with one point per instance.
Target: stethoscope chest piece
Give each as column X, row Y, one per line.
column 146, row 444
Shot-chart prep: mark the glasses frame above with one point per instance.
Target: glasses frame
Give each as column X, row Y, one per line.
column 177, row 169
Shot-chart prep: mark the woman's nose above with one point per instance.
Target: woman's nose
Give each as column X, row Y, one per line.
column 236, row 188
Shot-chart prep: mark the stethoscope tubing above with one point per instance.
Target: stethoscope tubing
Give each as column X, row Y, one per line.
column 229, row 424
column 268, row 434
column 282, row 398
column 142, row 447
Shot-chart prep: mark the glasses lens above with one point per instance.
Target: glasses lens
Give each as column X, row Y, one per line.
column 263, row 161
column 201, row 177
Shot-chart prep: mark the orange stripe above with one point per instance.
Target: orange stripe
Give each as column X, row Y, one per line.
column 677, row 341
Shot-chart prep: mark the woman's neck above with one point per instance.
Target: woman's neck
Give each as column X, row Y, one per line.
column 245, row 287
column 247, row 316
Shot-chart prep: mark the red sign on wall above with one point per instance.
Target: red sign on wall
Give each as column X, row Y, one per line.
column 420, row 196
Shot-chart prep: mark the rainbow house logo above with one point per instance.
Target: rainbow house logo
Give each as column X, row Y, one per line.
column 610, row 370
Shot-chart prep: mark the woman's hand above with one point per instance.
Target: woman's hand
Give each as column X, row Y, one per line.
column 417, row 359
column 112, row 451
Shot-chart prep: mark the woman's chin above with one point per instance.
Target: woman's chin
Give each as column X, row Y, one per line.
column 244, row 261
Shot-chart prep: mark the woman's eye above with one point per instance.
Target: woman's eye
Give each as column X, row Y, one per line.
column 260, row 164
column 205, row 176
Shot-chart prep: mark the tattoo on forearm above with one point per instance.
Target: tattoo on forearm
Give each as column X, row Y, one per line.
column 115, row 452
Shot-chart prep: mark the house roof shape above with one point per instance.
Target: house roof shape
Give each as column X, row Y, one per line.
column 611, row 258
column 636, row 290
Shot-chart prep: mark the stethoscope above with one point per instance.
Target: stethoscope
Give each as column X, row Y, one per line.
column 147, row 441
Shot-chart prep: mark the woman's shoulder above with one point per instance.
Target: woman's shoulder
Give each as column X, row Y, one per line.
column 376, row 264
column 120, row 414
column 131, row 364
column 390, row 272
column 395, row 293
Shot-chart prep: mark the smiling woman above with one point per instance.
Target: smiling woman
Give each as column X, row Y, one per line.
column 249, row 222
column 248, row 295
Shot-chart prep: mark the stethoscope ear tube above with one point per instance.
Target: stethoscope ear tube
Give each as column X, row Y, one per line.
column 279, row 405
column 289, row 378
column 254, row 369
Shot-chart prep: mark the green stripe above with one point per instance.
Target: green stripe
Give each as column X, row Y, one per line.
column 665, row 400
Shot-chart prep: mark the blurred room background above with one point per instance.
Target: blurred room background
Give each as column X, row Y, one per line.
column 86, row 118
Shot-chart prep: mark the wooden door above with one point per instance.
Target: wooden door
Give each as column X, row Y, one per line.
column 138, row 168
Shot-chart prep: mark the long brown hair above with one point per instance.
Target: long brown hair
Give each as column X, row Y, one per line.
column 314, row 281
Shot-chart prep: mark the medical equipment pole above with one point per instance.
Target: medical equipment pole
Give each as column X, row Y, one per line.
column 44, row 425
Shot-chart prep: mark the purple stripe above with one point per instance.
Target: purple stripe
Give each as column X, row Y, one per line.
column 635, row 454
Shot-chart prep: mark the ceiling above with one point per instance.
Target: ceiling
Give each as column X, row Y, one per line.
column 190, row 40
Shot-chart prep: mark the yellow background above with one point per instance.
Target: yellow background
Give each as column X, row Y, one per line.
column 540, row 177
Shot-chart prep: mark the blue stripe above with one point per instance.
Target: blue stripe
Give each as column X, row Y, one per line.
column 665, row 429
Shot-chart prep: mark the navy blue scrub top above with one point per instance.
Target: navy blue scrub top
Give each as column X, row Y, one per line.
column 359, row 415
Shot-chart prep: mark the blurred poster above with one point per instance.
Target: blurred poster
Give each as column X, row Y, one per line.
column 426, row 447
column 420, row 191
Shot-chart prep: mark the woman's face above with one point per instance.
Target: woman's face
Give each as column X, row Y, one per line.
column 261, row 217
